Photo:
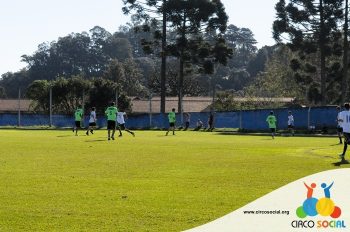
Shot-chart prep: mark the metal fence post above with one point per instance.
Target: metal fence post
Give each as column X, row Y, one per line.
column 308, row 117
column 19, row 108
column 150, row 110
column 240, row 119
column 50, row 106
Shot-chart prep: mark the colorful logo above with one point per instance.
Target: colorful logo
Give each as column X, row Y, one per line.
column 323, row 206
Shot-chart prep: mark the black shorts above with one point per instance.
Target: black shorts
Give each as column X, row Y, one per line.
column 291, row 126
column 77, row 124
column 110, row 125
column 273, row 130
column 171, row 124
column 339, row 129
column 121, row 126
column 346, row 137
column 92, row 123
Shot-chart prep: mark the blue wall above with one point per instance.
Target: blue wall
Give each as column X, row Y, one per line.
column 250, row 119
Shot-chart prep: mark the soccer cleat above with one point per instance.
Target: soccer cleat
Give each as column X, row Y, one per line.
column 133, row 134
column 87, row 133
column 109, row 138
column 92, row 131
column 112, row 138
column 120, row 135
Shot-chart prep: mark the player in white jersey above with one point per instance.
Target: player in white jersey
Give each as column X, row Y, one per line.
column 92, row 121
column 121, row 123
column 344, row 118
column 339, row 126
column 290, row 122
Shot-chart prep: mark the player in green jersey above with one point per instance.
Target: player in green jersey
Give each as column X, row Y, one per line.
column 78, row 116
column 271, row 120
column 172, row 120
column 111, row 113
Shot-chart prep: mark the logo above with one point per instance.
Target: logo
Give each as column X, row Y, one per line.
column 324, row 206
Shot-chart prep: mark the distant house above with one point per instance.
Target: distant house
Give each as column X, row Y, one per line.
column 190, row 104
column 12, row 105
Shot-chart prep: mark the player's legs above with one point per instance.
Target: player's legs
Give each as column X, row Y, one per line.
column 187, row 125
column 346, row 142
column 119, row 126
column 273, row 132
column 339, row 132
column 111, row 127
column 109, row 134
column 87, row 131
column 171, row 127
column 92, row 127
column 291, row 129
column 166, row 134
column 113, row 132
column 122, row 126
column 77, row 126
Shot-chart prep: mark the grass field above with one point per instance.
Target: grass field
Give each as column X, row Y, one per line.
column 54, row 181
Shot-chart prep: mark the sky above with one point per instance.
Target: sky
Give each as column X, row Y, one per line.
column 25, row 24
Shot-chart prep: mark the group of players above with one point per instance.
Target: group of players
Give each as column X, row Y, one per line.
column 272, row 123
column 115, row 120
column 343, row 127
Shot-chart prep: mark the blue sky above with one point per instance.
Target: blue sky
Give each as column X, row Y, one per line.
column 25, row 24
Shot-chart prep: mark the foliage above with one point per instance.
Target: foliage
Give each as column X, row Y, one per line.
column 2, row 92
column 198, row 27
column 127, row 76
column 312, row 29
column 102, row 92
column 278, row 79
column 67, row 94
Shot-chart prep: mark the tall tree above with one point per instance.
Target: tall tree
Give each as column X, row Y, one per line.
column 144, row 10
column 199, row 26
column 311, row 27
column 344, row 84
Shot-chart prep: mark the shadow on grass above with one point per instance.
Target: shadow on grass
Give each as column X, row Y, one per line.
column 95, row 140
column 238, row 133
column 343, row 162
column 62, row 136
column 337, row 144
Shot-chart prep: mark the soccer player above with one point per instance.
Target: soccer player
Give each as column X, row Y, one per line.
column 187, row 120
column 199, row 125
column 211, row 122
column 271, row 120
column 172, row 120
column 291, row 122
column 339, row 126
column 78, row 116
column 92, row 121
column 344, row 118
column 111, row 113
column 121, row 123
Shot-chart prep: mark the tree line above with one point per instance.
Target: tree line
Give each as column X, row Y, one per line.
column 203, row 55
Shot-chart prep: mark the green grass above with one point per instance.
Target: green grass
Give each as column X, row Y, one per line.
column 54, row 181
